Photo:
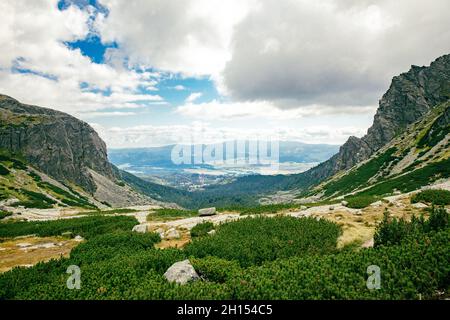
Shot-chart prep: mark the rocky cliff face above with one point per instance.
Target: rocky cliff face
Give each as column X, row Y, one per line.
column 58, row 144
column 410, row 96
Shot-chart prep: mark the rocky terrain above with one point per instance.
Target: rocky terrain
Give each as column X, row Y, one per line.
column 410, row 97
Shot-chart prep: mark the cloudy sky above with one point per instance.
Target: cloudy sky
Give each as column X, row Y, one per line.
column 155, row 72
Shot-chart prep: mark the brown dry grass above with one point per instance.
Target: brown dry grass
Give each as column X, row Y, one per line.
column 360, row 229
column 11, row 255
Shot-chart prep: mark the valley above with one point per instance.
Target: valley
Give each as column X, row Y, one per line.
column 381, row 200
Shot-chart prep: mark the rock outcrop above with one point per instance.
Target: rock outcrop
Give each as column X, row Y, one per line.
column 411, row 96
column 56, row 143
column 181, row 272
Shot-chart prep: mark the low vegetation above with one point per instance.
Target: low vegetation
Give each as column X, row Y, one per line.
column 393, row 231
column 106, row 212
column 87, row 227
column 262, row 209
column 4, row 214
column 253, row 241
column 201, row 229
column 359, row 202
column 164, row 214
column 412, row 180
column 437, row 197
column 360, row 175
column 125, row 265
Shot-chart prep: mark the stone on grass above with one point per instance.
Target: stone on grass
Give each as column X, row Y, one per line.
column 181, row 272
column 212, row 232
column 344, row 203
column 207, row 212
column 78, row 238
column 171, row 234
column 419, row 205
column 140, row 228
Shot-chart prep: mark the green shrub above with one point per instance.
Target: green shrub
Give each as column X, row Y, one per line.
column 360, row 175
column 215, row 269
column 3, row 170
column 417, row 268
column 261, row 209
column 108, row 246
column 4, row 214
column 35, row 200
column 87, row 227
column 437, row 197
column 112, row 211
column 393, row 231
column 359, row 202
column 201, row 229
column 412, row 180
column 67, row 197
column 171, row 214
column 253, row 241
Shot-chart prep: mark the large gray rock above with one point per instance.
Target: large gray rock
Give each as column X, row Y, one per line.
column 171, row 234
column 419, row 205
column 140, row 228
column 207, row 212
column 181, row 272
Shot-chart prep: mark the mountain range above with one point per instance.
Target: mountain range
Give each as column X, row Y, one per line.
column 49, row 158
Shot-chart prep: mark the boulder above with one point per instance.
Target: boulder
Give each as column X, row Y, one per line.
column 160, row 231
column 78, row 238
column 303, row 207
column 419, row 205
column 181, row 272
column 212, row 232
column 207, row 212
column 331, row 208
column 140, row 228
column 344, row 203
column 171, row 234
column 376, row 204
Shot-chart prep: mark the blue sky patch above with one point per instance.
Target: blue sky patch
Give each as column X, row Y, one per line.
column 91, row 47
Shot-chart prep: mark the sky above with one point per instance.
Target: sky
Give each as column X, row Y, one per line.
column 155, row 72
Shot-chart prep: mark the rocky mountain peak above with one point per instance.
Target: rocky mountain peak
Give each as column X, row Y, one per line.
column 410, row 97
column 56, row 143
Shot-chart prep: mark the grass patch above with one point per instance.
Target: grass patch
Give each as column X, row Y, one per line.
column 437, row 197
column 359, row 202
column 4, row 214
column 106, row 212
column 359, row 176
column 201, row 229
column 66, row 197
column 160, row 214
column 35, row 200
column 253, row 241
column 411, row 181
column 87, row 227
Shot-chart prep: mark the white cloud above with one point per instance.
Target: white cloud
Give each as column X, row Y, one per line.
column 215, row 110
column 32, row 39
column 299, row 52
column 179, row 87
column 191, row 37
column 193, row 97
column 198, row 132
